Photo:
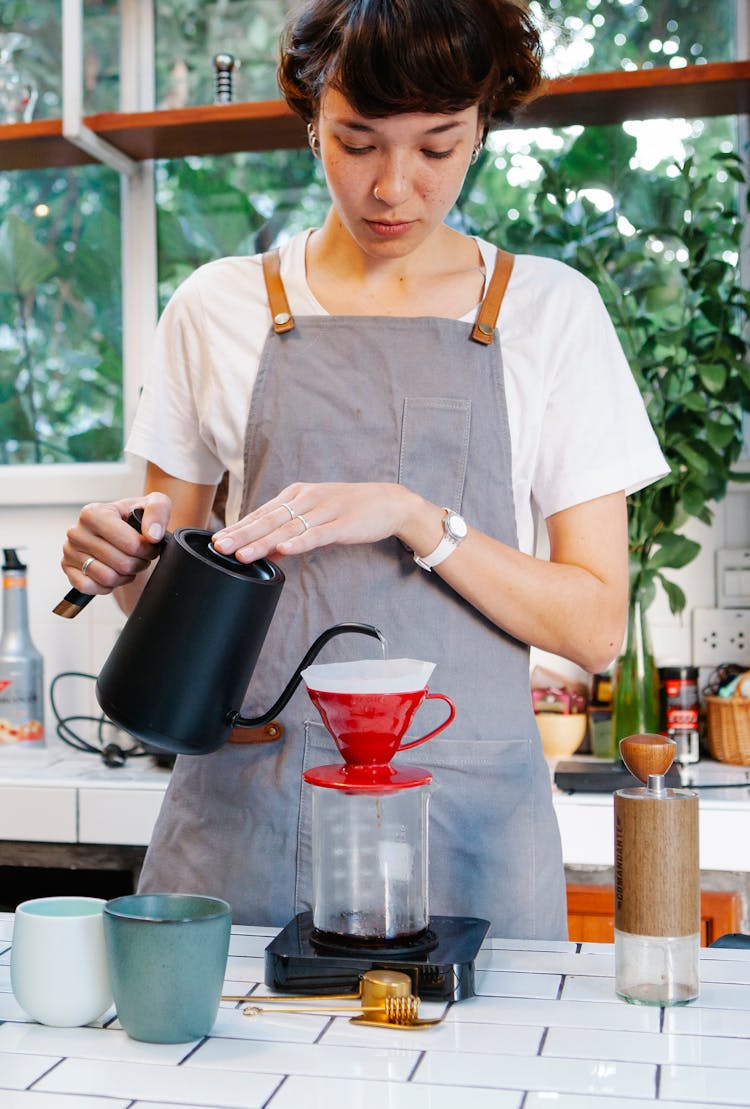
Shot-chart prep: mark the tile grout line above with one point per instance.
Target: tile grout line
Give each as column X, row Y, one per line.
column 201, row 1042
column 415, row 1068
column 284, row 1079
column 49, row 1070
column 328, row 1024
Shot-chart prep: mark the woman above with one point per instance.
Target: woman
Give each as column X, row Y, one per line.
column 369, row 414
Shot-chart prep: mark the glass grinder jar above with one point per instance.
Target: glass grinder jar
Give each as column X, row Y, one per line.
column 370, row 858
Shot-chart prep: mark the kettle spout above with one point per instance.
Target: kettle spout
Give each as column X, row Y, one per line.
column 236, row 720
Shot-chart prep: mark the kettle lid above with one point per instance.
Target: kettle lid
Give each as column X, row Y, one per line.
column 198, row 543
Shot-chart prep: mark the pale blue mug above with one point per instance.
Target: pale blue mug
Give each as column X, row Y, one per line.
column 167, row 955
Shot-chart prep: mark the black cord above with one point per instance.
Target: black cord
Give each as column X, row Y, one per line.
column 112, row 753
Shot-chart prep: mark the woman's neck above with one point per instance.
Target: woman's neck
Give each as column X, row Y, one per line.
column 443, row 276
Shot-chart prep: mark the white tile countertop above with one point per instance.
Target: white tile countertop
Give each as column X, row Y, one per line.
column 546, row 1030
column 56, row 796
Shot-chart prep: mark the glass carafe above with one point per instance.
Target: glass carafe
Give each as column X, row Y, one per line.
column 370, row 860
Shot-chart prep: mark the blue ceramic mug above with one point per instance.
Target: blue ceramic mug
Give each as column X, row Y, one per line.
column 167, row 955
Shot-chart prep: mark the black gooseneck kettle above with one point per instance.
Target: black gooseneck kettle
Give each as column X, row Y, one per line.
column 183, row 661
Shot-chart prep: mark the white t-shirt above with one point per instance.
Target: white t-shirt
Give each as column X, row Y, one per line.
column 578, row 426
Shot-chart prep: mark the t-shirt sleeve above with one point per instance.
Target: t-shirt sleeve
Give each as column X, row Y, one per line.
column 596, row 437
column 167, row 425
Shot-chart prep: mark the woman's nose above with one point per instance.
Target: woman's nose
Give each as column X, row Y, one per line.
column 392, row 184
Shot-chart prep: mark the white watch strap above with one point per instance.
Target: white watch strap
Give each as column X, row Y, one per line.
column 446, row 546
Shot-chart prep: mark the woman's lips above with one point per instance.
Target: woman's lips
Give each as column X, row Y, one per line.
column 389, row 230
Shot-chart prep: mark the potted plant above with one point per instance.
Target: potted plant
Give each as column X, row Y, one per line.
column 664, row 258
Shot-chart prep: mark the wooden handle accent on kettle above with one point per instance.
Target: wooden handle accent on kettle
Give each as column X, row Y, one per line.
column 647, row 754
column 74, row 600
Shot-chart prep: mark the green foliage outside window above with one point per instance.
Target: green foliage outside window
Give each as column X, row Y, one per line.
column 60, row 299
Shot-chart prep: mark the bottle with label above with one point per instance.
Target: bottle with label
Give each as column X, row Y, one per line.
column 679, row 709
column 21, row 664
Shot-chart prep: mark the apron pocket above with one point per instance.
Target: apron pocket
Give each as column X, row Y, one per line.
column 435, row 447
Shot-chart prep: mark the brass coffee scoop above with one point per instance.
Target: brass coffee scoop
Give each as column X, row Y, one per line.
column 387, row 1001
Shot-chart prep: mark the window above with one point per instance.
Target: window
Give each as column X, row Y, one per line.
column 65, row 400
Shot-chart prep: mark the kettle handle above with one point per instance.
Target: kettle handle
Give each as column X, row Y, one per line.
column 74, row 600
column 235, row 720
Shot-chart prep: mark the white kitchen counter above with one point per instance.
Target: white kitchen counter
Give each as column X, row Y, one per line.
column 52, row 796
column 546, row 1030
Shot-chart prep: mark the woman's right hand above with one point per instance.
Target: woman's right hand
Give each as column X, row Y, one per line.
column 118, row 553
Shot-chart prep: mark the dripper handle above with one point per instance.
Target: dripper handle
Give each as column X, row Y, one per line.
column 235, row 720
column 647, row 756
column 448, row 720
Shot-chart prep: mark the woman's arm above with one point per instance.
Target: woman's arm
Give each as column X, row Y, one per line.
column 575, row 604
column 122, row 556
column 572, row 605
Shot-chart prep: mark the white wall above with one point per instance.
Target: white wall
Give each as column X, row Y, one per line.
column 83, row 643
column 80, row 644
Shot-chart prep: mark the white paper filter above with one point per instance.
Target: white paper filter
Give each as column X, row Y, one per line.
column 370, row 675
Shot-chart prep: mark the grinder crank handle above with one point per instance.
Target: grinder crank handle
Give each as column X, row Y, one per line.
column 74, row 600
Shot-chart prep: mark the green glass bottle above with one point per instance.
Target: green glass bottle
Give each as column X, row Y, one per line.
column 635, row 705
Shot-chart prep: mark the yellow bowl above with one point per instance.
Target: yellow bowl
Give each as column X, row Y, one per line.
column 562, row 733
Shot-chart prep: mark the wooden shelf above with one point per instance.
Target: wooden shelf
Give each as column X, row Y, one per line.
column 719, row 89
column 722, row 88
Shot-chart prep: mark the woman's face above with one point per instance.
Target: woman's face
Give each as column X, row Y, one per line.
column 394, row 179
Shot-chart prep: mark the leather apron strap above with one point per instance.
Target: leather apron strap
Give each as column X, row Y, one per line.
column 484, row 325
column 281, row 313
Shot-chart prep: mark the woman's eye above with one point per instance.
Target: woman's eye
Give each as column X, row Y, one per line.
column 437, row 153
column 355, row 149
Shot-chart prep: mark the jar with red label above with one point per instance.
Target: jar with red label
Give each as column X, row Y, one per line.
column 679, row 709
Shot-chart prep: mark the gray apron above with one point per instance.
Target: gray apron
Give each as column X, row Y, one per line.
column 409, row 400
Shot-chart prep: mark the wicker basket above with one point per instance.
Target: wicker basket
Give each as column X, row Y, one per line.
column 728, row 726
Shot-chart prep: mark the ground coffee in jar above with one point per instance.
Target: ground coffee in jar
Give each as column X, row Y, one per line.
column 679, row 709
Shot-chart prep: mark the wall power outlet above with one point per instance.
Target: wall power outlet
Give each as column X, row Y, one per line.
column 721, row 635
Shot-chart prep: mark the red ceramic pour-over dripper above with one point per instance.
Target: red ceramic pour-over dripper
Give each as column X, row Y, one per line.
column 368, row 727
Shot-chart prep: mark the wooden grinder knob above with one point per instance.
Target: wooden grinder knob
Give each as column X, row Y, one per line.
column 645, row 755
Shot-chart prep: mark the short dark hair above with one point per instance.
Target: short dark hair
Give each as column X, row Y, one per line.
column 394, row 56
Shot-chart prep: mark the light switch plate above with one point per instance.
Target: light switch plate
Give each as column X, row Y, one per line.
column 733, row 578
column 721, row 635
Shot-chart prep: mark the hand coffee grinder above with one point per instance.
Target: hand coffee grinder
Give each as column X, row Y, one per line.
column 657, row 880
column 370, row 846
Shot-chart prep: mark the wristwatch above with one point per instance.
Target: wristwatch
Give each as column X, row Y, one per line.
column 454, row 533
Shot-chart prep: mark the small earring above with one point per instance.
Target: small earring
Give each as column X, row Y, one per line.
column 313, row 140
column 475, row 154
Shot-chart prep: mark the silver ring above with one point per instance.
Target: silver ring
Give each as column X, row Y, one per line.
column 290, row 510
column 376, row 194
column 303, row 521
column 86, row 564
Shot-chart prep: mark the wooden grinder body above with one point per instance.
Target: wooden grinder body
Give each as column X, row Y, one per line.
column 657, row 877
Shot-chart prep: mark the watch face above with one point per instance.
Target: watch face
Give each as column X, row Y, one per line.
column 455, row 525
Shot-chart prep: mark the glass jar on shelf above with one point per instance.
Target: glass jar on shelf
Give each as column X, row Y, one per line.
column 18, row 91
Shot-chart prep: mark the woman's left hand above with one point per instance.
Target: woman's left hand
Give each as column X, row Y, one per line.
column 304, row 516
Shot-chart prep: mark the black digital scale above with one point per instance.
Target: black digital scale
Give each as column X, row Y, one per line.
column 595, row 776
column 440, row 962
